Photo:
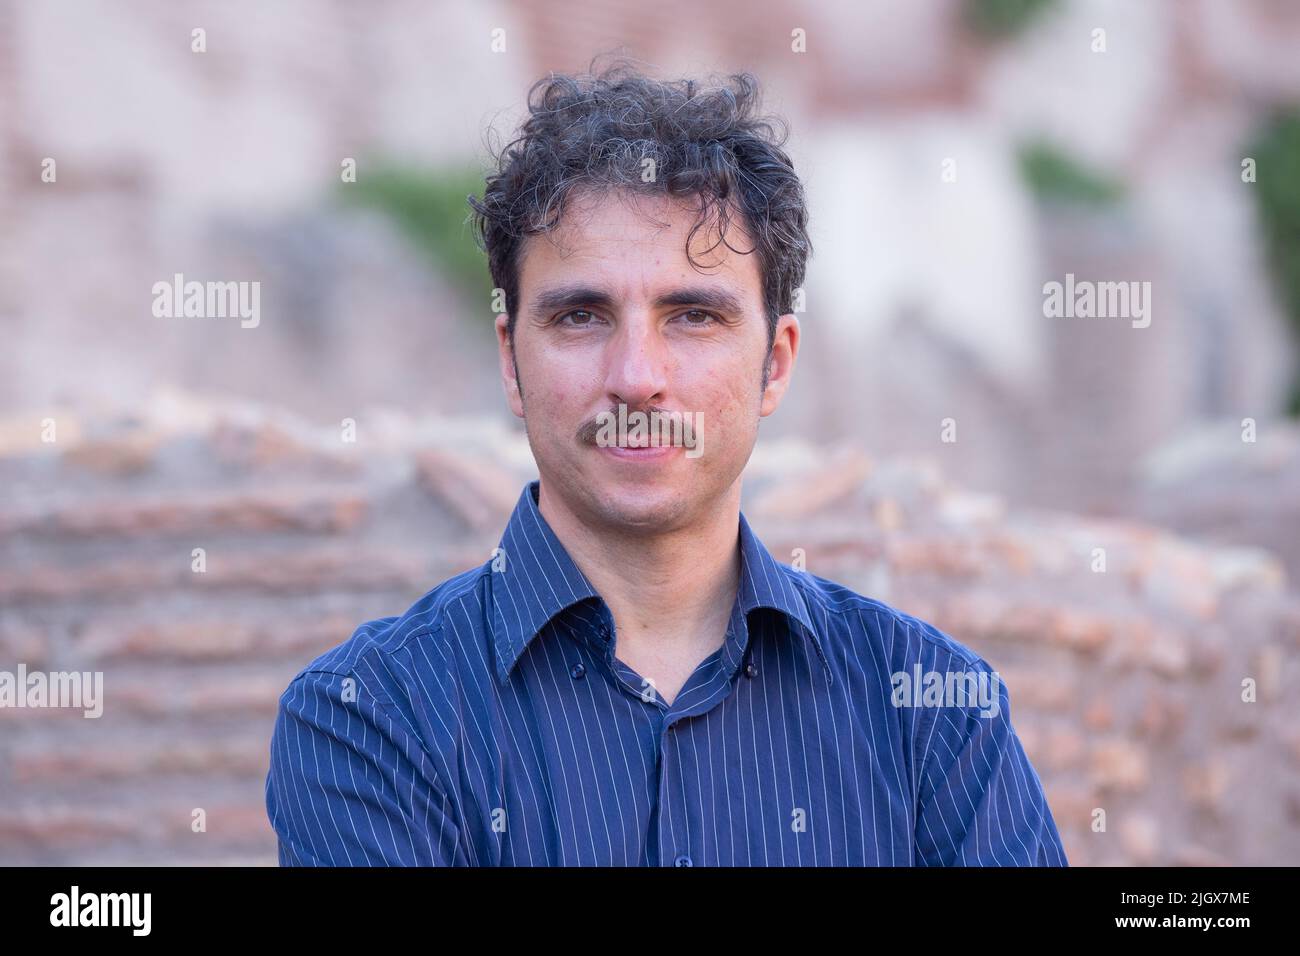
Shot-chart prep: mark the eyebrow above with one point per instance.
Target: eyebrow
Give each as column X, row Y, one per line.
column 574, row 296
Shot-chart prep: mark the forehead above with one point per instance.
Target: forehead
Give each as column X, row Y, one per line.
column 637, row 244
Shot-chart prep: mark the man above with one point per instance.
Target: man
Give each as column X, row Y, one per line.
column 632, row 679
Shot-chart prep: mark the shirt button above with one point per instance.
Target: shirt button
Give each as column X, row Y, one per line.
column 751, row 670
column 577, row 670
column 683, row 860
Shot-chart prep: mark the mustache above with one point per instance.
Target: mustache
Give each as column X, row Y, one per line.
column 588, row 431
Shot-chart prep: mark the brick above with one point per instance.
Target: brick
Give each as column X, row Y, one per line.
column 948, row 557
column 73, row 827
column 1118, row 765
column 265, row 445
column 1178, row 577
column 988, row 616
column 887, row 514
column 1162, row 717
column 1063, row 748
column 479, row 492
column 960, row 508
column 248, row 695
column 1206, row 784
column 22, row 640
column 21, row 435
column 1071, row 805
column 1198, row 856
column 1099, row 715
column 1139, row 835
column 1012, row 553
column 226, row 824
column 1040, row 689
column 805, row 494
column 194, row 639
column 211, row 638
column 1292, row 804
column 289, row 509
column 1291, row 740
column 1287, row 623
column 219, row 695
column 1078, row 630
column 119, row 456
column 1266, row 662
column 42, row 716
column 300, row 570
column 139, row 759
column 1141, row 642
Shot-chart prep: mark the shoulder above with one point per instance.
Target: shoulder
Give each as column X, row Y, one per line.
column 872, row 624
column 381, row 653
column 958, row 697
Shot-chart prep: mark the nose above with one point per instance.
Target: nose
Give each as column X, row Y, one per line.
column 637, row 366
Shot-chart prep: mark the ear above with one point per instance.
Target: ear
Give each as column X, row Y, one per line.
column 785, row 346
column 506, row 357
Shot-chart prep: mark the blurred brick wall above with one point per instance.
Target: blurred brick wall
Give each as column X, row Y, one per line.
column 1125, row 685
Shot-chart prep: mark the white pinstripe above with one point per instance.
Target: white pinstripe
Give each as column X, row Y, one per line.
column 467, row 703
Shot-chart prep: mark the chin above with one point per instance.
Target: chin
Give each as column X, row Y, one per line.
column 641, row 505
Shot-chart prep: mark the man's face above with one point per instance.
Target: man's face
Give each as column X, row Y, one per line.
column 611, row 312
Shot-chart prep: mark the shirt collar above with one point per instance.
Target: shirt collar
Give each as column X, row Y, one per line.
column 533, row 579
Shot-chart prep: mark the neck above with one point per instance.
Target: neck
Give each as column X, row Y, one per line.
column 672, row 589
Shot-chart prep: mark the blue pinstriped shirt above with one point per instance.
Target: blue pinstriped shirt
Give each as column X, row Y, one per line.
column 492, row 724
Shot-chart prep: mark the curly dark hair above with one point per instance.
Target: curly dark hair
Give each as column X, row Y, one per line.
column 594, row 131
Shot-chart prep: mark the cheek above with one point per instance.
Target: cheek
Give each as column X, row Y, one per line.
column 546, row 379
column 561, row 399
column 556, row 379
column 732, row 408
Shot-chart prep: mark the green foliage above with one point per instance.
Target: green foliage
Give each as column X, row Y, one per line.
column 1054, row 176
column 1276, row 151
column 429, row 207
column 1002, row 19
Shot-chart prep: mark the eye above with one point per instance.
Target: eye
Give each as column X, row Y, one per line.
column 696, row 314
column 590, row 319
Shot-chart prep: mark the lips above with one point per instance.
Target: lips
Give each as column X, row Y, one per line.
column 639, row 452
